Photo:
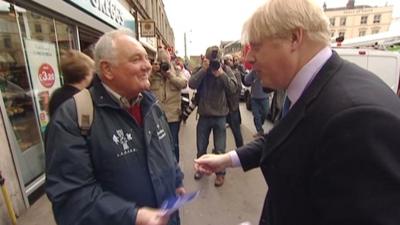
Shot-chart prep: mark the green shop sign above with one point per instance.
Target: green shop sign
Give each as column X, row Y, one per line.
column 110, row 11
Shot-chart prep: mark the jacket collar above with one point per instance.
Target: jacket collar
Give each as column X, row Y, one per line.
column 102, row 98
column 283, row 129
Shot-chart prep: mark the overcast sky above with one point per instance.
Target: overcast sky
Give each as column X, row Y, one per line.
column 207, row 22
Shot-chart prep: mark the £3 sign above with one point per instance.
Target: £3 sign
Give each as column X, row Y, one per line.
column 46, row 75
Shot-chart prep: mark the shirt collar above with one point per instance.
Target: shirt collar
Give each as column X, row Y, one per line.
column 122, row 101
column 306, row 74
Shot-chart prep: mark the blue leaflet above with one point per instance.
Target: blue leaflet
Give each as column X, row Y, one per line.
column 172, row 204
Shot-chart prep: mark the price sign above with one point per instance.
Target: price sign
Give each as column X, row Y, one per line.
column 46, row 75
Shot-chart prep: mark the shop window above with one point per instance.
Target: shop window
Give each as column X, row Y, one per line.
column 29, row 73
column 18, row 99
column 364, row 20
column 65, row 36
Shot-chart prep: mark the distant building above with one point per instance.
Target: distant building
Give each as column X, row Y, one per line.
column 358, row 20
column 232, row 47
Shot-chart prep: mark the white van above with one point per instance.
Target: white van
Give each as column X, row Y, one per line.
column 385, row 64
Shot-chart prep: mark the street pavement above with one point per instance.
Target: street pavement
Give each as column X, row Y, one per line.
column 239, row 200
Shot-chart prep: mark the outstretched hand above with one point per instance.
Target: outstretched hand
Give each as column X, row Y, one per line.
column 150, row 216
column 211, row 163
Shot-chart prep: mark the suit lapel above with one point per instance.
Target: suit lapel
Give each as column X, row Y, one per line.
column 298, row 111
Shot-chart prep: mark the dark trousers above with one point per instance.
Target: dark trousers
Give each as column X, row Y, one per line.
column 259, row 108
column 205, row 125
column 174, row 127
column 234, row 124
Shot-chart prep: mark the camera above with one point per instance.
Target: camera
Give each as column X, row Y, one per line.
column 164, row 66
column 214, row 61
column 189, row 109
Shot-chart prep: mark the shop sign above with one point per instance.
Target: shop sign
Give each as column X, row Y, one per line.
column 147, row 28
column 109, row 11
column 43, row 69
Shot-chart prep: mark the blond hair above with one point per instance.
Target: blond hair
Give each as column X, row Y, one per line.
column 278, row 19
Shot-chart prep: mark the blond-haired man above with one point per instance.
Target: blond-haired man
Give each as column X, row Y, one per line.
column 334, row 157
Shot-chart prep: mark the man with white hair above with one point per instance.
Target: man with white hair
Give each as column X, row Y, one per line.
column 334, row 158
column 124, row 168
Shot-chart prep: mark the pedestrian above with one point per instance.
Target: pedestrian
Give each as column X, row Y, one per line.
column 234, row 117
column 259, row 102
column 166, row 84
column 185, row 92
column 124, row 168
column 77, row 69
column 334, row 157
column 213, row 83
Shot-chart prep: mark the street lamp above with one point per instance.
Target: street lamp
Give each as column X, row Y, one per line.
column 185, row 47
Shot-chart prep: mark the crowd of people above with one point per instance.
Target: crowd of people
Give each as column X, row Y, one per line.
column 333, row 157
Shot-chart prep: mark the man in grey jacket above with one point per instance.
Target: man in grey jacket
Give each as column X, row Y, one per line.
column 213, row 83
column 123, row 170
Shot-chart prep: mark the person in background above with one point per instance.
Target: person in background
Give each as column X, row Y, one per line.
column 77, row 69
column 166, row 84
column 124, row 168
column 213, row 83
column 234, row 118
column 259, row 102
column 185, row 92
column 334, row 157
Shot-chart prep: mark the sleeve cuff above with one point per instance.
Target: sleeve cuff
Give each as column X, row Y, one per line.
column 235, row 159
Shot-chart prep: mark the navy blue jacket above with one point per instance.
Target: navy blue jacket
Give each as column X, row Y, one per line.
column 103, row 178
column 335, row 157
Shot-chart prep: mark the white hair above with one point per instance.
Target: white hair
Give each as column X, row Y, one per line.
column 227, row 56
column 105, row 48
column 278, row 19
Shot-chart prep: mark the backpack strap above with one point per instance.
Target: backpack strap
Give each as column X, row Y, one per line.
column 84, row 110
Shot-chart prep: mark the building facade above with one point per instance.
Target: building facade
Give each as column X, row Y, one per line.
column 357, row 21
column 32, row 35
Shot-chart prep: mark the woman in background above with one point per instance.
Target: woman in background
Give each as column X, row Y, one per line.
column 77, row 69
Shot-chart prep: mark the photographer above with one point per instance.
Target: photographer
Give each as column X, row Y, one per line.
column 166, row 83
column 213, row 83
column 234, row 118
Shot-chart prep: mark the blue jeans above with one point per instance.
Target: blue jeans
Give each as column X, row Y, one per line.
column 259, row 108
column 234, row 124
column 174, row 127
column 205, row 125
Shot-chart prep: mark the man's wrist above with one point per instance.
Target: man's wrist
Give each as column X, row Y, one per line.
column 234, row 159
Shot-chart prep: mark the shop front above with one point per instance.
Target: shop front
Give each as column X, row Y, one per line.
column 32, row 35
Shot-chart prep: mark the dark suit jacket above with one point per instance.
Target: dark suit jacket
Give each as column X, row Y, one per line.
column 335, row 157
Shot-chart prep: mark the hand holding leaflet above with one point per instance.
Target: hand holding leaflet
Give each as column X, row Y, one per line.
column 172, row 204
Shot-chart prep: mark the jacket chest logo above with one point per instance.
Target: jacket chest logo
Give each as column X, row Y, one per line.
column 123, row 138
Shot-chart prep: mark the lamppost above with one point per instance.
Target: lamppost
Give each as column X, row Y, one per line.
column 185, row 46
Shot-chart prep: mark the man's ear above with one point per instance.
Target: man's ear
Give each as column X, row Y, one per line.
column 105, row 68
column 297, row 38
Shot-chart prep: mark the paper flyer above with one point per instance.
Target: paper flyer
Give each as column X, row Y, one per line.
column 172, row 204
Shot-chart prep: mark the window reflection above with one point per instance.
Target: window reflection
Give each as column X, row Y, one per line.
column 14, row 84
